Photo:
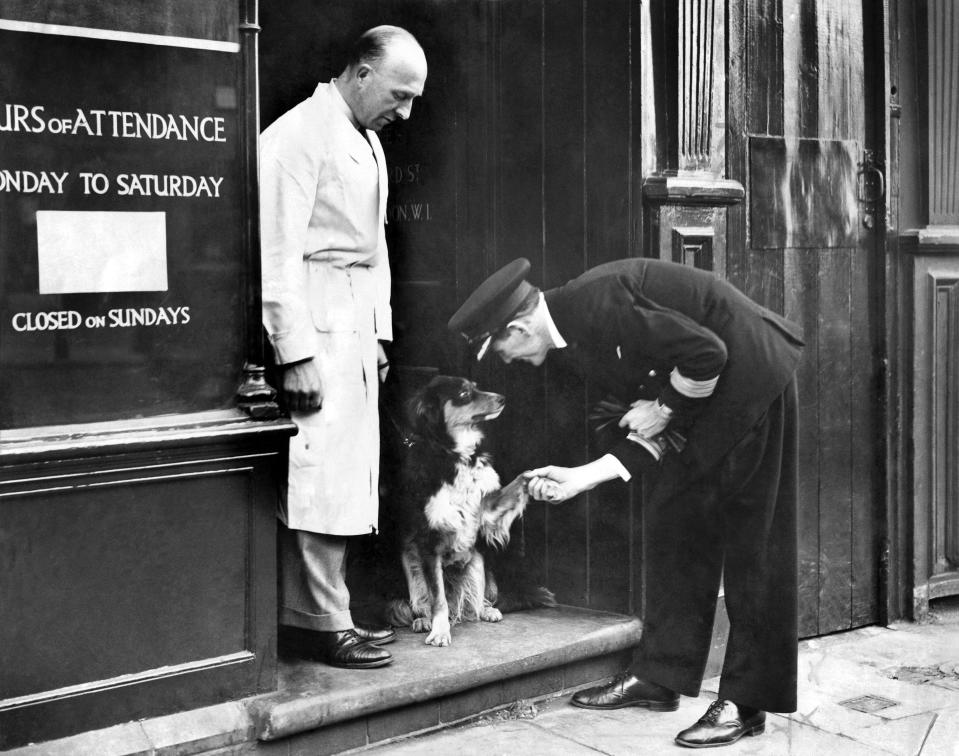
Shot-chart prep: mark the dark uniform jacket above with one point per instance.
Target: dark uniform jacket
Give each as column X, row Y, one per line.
column 631, row 323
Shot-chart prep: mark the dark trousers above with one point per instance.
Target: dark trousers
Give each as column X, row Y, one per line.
column 737, row 524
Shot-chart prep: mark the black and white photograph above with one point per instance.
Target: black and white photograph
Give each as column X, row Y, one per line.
column 485, row 377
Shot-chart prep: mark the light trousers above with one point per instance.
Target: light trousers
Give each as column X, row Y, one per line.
column 312, row 580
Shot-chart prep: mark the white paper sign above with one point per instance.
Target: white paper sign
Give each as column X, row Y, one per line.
column 101, row 251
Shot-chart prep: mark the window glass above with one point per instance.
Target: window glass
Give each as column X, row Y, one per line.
column 210, row 19
column 121, row 261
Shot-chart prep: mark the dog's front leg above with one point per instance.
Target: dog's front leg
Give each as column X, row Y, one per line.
column 420, row 601
column 476, row 586
column 440, row 634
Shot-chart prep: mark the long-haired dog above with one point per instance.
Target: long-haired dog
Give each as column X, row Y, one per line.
column 453, row 512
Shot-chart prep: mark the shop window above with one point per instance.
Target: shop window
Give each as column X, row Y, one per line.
column 122, row 273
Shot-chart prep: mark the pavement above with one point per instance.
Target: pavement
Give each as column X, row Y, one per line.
column 876, row 690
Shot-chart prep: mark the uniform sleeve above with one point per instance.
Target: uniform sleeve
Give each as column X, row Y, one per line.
column 695, row 355
column 635, row 458
column 286, row 204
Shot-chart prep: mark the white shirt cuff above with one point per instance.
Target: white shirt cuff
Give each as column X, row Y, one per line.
column 614, row 467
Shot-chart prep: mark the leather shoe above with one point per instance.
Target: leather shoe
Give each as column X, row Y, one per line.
column 338, row 649
column 723, row 723
column 627, row 690
column 375, row 636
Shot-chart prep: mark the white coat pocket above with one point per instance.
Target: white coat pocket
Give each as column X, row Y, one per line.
column 331, row 298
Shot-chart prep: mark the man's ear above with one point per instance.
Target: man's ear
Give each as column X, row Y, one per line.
column 363, row 72
column 520, row 326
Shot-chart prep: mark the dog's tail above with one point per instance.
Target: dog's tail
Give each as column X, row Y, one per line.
column 525, row 597
column 399, row 613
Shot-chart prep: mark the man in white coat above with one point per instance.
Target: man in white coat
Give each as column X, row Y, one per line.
column 326, row 308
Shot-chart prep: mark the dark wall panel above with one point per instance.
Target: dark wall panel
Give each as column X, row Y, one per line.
column 161, row 595
column 515, row 120
column 608, row 154
column 607, row 148
column 764, row 77
column 806, row 39
column 565, row 232
column 135, row 580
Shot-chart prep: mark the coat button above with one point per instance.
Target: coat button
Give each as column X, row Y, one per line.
column 652, row 373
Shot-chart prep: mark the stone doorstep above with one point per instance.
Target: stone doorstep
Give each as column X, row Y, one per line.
column 527, row 655
column 315, row 695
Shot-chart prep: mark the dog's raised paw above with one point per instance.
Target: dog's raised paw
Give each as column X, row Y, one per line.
column 422, row 625
column 491, row 614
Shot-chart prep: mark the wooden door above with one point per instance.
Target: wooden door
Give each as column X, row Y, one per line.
column 803, row 113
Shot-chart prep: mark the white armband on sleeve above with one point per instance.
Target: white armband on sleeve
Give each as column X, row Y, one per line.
column 689, row 387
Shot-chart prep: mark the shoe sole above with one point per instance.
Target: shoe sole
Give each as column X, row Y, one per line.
column 304, row 654
column 383, row 642
column 369, row 665
column 752, row 731
column 651, row 705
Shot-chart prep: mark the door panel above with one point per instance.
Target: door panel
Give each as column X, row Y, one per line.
column 804, row 114
column 796, row 216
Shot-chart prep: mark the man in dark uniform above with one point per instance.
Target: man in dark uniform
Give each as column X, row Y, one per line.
column 704, row 379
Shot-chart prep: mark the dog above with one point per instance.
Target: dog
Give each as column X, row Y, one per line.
column 453, row 513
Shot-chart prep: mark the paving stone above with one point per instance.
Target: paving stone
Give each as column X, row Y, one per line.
column 501, row 739
column 825, row 680
column 943, row 738
column 621, row 731
column 786, row 737
column 901, row 736
column 199, row 730
column 625, row 732
column 126, row 739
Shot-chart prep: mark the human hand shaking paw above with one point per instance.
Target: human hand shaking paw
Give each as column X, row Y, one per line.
column 552, row 484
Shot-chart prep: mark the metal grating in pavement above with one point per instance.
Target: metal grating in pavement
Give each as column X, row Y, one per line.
column 869, row 703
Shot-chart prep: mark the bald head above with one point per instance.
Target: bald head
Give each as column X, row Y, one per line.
column 372, row 45
column 385, row 72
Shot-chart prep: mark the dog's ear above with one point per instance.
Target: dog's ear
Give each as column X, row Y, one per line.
column 426, row 415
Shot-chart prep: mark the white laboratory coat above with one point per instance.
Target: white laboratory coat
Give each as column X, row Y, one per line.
column 326, row 295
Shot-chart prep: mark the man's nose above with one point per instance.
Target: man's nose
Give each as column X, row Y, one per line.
column 403, row 111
